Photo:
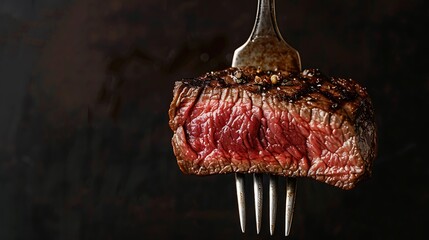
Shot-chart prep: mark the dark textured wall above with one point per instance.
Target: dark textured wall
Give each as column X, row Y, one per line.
column 85, row 86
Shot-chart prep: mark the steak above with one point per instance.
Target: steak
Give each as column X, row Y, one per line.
column 290, row 124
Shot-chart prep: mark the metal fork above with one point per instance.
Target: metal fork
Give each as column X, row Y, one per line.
column 267, row 50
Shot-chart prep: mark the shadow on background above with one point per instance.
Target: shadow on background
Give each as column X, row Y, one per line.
column 84, row 92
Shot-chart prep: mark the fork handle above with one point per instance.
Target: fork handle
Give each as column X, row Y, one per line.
column 265, row 23
column 265, row 48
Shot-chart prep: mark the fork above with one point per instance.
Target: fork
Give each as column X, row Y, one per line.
column 266, row 50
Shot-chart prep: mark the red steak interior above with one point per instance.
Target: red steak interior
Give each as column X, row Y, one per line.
column 244, row 120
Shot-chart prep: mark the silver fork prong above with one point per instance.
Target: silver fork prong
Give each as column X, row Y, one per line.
column 273, row 202
column 241, row 200
column 258, row 190
column 290, row 203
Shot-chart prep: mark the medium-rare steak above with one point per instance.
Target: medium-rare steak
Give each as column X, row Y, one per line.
column 290, row 124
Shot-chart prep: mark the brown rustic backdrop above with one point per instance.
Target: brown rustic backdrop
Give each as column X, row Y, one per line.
column 85, row 86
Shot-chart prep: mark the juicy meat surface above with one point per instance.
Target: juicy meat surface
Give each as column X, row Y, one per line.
column 250, row 121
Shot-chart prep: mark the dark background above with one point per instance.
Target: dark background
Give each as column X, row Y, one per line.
column 85, row 86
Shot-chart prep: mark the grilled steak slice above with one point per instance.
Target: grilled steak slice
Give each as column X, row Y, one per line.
column 300, row 125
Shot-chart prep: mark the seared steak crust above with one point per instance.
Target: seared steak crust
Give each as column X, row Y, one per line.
column 290, row 124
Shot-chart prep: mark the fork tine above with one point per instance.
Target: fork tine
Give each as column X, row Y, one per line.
column 290, row 203
column 257, row 188
column 241, row 200
column 273, row 202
